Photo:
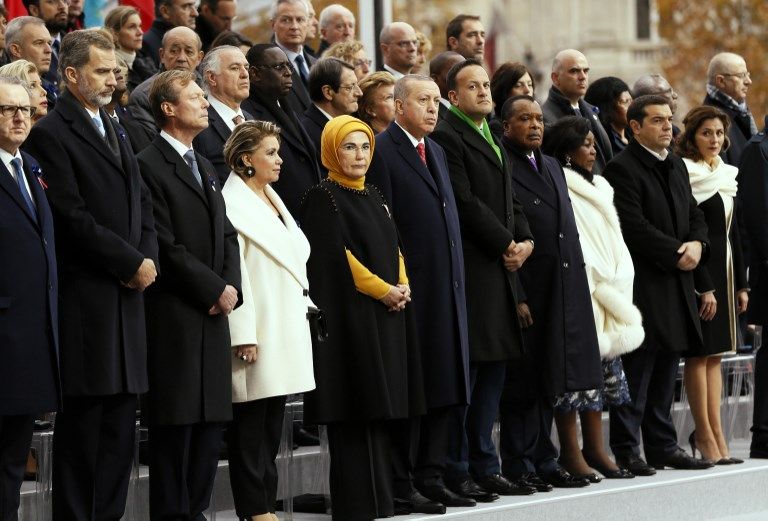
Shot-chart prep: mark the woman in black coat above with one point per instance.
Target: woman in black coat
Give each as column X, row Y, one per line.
column 368, row 372
column 612, row 97
column 721, row 284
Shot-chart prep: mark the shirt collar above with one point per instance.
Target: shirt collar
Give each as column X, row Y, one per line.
column 226, row 112
column 413, row 140
column 177, row 145
column 324, row 113
column 445, row 103
column 289, row 53
column 6, row 158
column 393, row 72
column 660, row 157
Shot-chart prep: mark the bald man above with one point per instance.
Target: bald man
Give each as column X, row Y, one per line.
column 398, row 48
column 656, row 84
column 570, row 79
column 438, row 71
column 728, row 81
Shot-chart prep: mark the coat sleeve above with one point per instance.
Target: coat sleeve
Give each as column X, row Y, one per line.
column 642, row 238
column 101, row 245
column 140, row 109
column 478, row 222
column 753, row 196
column 242, row 321
column 739, row 269
column 148, row 243
column 231, row 272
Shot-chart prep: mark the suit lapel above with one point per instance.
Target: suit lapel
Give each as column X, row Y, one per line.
column 474, row 139
column 219, row 125
column 8, row 183
column 534, row 181
column 180, row 167
column 407, row 151
column 80, row 125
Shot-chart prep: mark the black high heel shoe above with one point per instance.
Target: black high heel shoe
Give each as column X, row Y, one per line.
column 692, row 442
column 721, row 461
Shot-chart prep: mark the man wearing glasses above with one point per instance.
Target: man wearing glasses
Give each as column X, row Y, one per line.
column 399, row 47
column 271, row 80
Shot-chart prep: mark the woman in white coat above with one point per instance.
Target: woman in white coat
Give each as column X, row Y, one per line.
column 271, row 345
column 610, row 274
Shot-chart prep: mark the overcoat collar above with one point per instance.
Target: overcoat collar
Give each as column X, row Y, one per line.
column 473, row 138
column 530, row 178
column 7, row 183
column 407, row 151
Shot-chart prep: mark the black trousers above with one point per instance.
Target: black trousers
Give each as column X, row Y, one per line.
column 182, row 466
column 361, row 470
column 253, row 440
column 760, row 419
column 93, row 445
column 434, row 432
column 651, row 375
column 15, row 439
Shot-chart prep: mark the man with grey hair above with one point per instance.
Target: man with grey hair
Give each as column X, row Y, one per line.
column 225, row 80
column 570, row 79
column 290, row 23
column 107, row 249
column 181, row 50
column 399, row 48
column 27, row 38
column 168, row 14
column 56, row 18
column 728, row 81
column 412, row 172
column 337, row 24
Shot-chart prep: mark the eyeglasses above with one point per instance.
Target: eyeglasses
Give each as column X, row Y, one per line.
column 10, row 111
column 277, row 67
column 349, row 88
column 362, row 63
column 741, row 75
column 404, row 44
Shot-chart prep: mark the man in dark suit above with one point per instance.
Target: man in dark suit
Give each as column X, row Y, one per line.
column 107, row 253
column 120, row 113
column 667, row 238
column 438, row 71
column 753, row 194
column 29, row 383
column 399, row 47
column 496, row 242
column 271, row 80
column 570, row 79
column 56, row 18
column 215, row 17
column 412, row 173
column 190, row 360
column 334, row 91
column 556, row 311
column 225, row 79
column 27, row 38
column 290, row 21
column 337, row 24
column 168, row 14
column 728, row 81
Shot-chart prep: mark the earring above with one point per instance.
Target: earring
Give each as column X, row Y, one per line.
column 568, row 161
column 249, row 171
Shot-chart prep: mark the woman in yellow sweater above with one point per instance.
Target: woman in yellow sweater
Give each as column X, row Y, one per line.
column 368, row 372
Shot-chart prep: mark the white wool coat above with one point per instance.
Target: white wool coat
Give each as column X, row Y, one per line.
column 610, row 271
column 273, row 259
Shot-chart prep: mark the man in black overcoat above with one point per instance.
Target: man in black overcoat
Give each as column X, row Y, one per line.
column 190, row 360
column 438, row 71
column 29, row 383
column 496, row 241
column 556, row 309
column 225, row 79
column 570, row 79
column 168, row 14
column 412, row 172
column 667, row 237
column 107, row 253
column 271, row 81
column 753, row 194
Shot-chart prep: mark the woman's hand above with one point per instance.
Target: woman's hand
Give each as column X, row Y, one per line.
column 395, row 299
column 248, row 353
column 406, row 291
column 742, row 299
column 708, row 306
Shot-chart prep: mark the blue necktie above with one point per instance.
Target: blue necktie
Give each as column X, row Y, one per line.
column 192, row 162
column 99, row 126
column 16, row 162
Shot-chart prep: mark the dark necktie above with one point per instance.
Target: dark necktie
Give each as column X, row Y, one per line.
column 189, row 157
column 532, row 161
column 422, row 152
column 300, row 67
column 16, row 162
column 238, row 119
column 53, row 70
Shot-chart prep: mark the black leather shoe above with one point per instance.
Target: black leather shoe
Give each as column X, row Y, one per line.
column 420, row 504
column 533, row 480
column 682, row 461
column 635, row 465
column 562, row 479
column 609, row 473
column 446, row 497
column 303, row 437
column 591, row 477
column 472, row 490
column 504, row 487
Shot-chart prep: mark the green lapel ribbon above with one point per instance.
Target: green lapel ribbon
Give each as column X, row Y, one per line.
column 484, row 131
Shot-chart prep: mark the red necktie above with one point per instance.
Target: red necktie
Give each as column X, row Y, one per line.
column 422, row 152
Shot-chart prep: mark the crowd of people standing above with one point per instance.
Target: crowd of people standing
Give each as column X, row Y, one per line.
column 196, row 226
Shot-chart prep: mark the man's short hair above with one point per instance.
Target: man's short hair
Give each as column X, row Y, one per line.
column 164, row 88
column 456, row 26
column 161, row 3
column 27, row 3
column 76, row 48
column 329, row 13
column 277, row 3
column 450, row 80
column 508, row 109
column 15, row 26
column 255, row 55
column 212, row 63
column 326, row 71
column 403, row 85
column 231, row 38
column 168, row 34
column 636, row 110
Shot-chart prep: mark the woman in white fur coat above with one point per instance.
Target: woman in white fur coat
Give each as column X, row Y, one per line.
column 271, row 345
column 610, row 274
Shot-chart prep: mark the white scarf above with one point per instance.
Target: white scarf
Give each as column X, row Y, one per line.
column 129, row 57
column 706, row 181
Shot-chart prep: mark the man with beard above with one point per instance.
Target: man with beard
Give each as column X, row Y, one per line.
column 107, row 255
column 270, row 73
column 465, row 35
column 55, row 14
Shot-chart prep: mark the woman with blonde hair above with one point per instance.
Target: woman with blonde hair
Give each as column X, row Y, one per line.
column 124, row 24
column 28, row 73
column 376, row 107
column 352, row 52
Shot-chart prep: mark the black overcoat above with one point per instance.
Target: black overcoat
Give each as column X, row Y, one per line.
column 102, row 214
column 424, row 209
column 370, row 366
column 739, row 133
column 562, row 337
column 491, row 218
column 189, row 350
column 28, row 299
column 314, row 122
column 655, row 221
column 210, row 142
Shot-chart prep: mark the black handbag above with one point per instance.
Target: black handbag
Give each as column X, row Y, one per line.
column 317, row 326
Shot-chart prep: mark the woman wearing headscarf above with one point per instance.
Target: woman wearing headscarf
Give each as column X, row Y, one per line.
column 368, row 372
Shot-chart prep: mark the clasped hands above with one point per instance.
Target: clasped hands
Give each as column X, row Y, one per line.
column 516, row 254
column 397, row 297
column 226, row 303
column 144, row 276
